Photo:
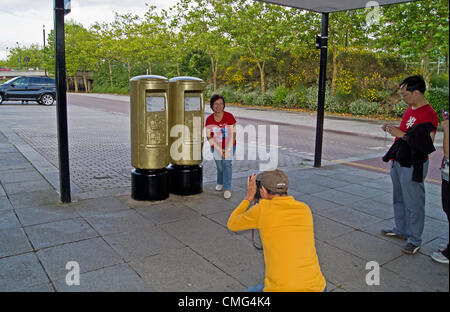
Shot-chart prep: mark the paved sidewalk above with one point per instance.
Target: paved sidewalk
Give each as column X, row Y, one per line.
column 182, row 243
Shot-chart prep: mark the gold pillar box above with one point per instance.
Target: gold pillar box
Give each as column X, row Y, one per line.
column 149, row 115
column 186, row 119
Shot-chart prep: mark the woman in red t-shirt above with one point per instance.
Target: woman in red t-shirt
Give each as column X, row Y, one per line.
column 221, row 135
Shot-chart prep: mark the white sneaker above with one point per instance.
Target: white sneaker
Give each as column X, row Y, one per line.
column 439, row 257
column 227, row 195
column 219, row 187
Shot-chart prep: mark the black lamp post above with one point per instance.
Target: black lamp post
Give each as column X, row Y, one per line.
column 61, row 101
column 20, row 57
column 43, row 35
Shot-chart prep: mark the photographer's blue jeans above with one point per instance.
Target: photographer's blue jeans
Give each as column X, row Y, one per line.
column 224, row 169
column 409, row 202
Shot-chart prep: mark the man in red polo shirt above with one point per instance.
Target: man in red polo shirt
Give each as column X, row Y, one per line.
column 409, row 195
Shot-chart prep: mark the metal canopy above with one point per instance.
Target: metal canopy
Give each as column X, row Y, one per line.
column 329, row 6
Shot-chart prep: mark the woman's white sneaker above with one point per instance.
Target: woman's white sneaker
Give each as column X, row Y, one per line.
column 227, row 195
column 219, row 187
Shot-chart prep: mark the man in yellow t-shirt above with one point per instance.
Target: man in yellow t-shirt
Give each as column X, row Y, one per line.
column 287, row 235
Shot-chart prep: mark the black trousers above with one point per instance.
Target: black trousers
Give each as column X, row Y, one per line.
column 445, row 205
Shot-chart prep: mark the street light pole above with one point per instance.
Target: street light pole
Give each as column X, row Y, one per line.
column 61, row 102
column 322, row 44
column 45, row 65
column 20, row 57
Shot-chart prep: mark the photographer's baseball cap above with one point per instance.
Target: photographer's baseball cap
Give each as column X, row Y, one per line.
column 275, row 181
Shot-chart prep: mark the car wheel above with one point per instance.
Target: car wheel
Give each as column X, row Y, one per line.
column 1, row 98
column 47, row 99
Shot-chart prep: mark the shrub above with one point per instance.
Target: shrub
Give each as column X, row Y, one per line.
column 438, row 98
column 228, row 94
column 363, row 107
column 440, row 81
column 280, row 95
column 335, row 105
column 293, row 100
column 399, row 109
column 249, row 98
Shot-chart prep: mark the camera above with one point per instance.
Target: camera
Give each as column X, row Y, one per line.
column 258, row 188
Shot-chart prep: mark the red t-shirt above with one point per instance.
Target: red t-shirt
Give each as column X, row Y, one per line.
column 221, row 131
column 418, row 116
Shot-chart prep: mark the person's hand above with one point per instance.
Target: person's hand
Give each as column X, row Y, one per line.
column 396, row 132
column 251, row 188
column 385, row 127
column 226, row 154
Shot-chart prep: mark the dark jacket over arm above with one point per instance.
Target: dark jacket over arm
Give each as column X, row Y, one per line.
column 413, row 149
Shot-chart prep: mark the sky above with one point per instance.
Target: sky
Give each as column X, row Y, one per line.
column 22, row 20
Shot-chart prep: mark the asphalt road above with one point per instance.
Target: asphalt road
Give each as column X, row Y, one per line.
column 355, row 150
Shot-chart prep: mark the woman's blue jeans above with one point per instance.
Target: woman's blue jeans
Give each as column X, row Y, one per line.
column 224, row 168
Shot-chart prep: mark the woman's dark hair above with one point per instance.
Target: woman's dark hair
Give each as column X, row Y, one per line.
column 214, row 98
column 414, row 83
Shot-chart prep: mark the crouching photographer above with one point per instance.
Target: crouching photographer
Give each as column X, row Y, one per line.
column 287, row 235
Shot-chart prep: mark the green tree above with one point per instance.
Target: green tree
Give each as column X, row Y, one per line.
column 416, row 30
column 80, row 44
column 257, row 28
column 202, row 22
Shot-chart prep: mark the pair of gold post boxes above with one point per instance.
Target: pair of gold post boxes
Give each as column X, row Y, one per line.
column 166, row 119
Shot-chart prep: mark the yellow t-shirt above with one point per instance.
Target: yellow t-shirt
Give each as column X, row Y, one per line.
column 287, row 235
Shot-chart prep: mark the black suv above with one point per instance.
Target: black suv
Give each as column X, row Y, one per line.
column 41, row 89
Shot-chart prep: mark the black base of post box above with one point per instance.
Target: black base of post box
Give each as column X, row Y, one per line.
column 186, row 180
column 149, row 184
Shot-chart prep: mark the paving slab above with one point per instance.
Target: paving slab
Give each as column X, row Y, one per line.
column 350, row 272
column 422, row 270
column 142, row 243
column 14, row 176
column 118, row 278
column 306, row 188
column 350, row 217
column 22, row 271
column 29, row 186
column 339, row 197
column 236, row 256
column 360, row 190
column 59, row 232
column 164, row 212
column 118, row 222
column 183, row 270
column 13, row 242
column 196, row 230
column 99, row 206
column 326, row 229
column 2, row 191
column 8, row 220
column 317, row 204
column 367, row 247
column 42, row 288
column 100, row 255
column 374, row 208
column 33, row 199
column 45, row 214
column 5, row 204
